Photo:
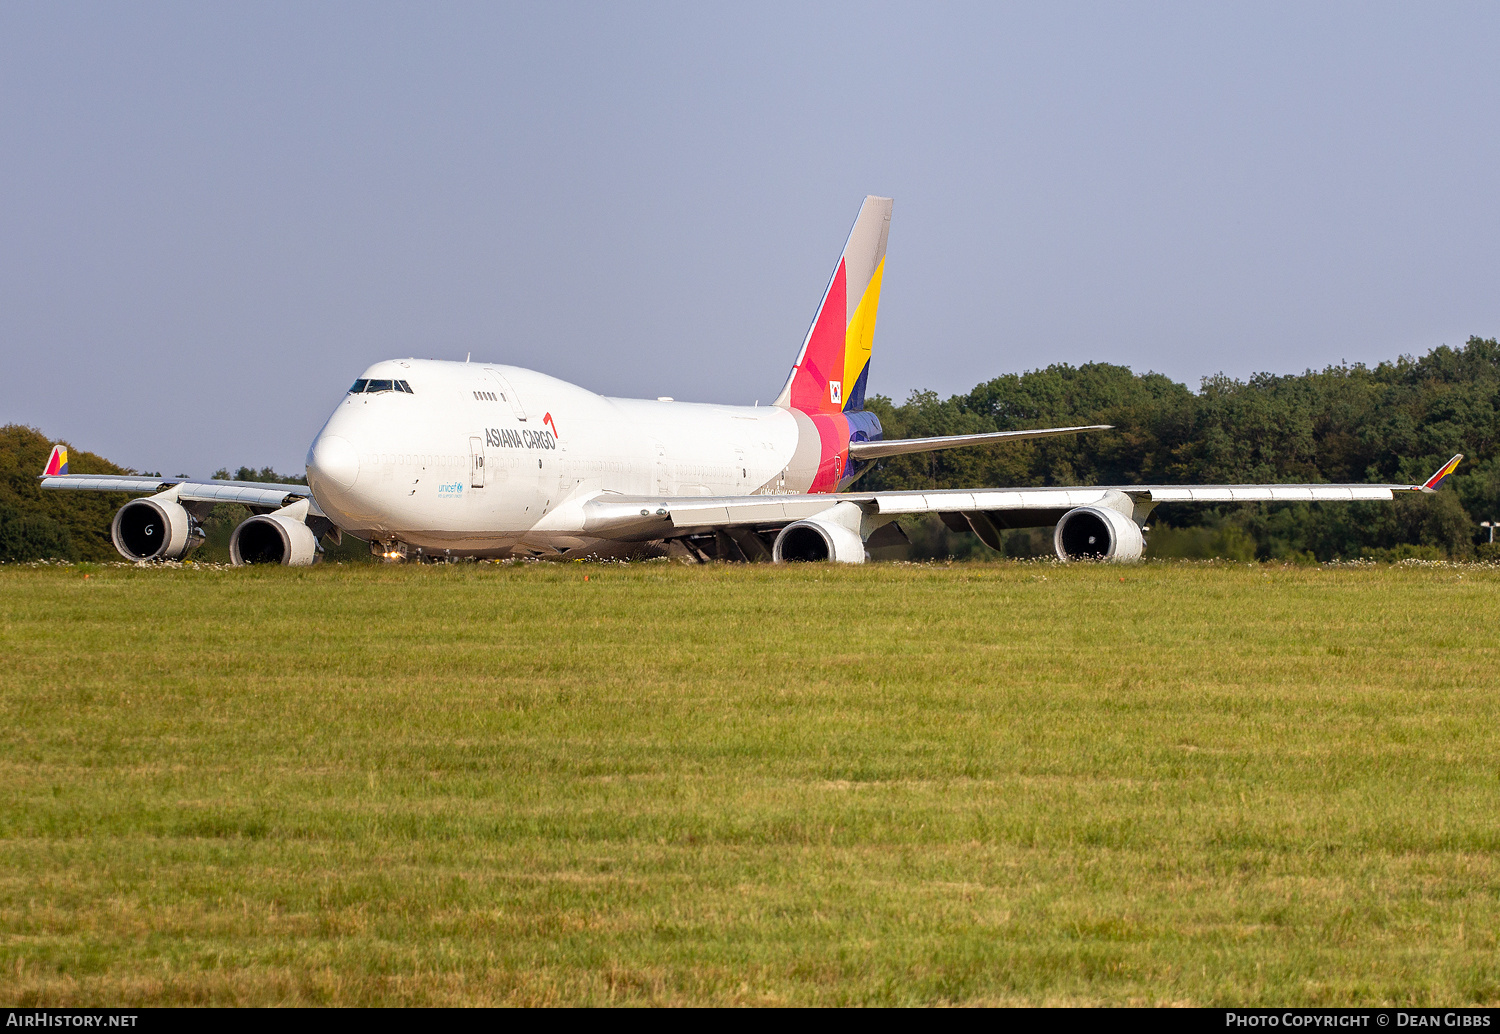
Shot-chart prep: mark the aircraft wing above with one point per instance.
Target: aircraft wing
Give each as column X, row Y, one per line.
column 255, row 494
column 655, row 517
column 905, row 446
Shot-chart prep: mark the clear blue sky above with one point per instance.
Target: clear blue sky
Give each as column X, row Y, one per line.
column 213, row 216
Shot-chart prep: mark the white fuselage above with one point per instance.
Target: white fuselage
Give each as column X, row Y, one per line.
column 487, row 460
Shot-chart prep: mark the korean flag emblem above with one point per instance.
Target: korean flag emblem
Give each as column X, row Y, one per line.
column 836, row 393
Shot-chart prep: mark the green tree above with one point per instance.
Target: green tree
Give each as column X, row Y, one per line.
column 58, row 525
column 1396, row 422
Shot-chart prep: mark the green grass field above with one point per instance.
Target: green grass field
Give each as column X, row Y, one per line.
column 1005, row 783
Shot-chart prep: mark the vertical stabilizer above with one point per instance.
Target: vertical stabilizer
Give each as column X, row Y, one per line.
column 832, row 369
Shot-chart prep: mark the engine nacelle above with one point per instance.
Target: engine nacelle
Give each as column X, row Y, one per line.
column 154, row 528
column 818, row 538
column 273, row 538
column 1097, row 533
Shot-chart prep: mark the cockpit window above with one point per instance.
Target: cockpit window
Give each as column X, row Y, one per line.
column 366, row 386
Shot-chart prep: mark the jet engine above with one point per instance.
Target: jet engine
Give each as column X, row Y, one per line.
column 154, row 528
column 274, row 538
column 1097, row 533
column 818, row 538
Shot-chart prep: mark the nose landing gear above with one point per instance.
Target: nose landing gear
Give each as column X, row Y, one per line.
column 391, row 551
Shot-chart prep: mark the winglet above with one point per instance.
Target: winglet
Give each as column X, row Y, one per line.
column 57, row 463
column 1431, row 484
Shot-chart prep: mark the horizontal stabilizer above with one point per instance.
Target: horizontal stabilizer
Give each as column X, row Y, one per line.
column 875, row 450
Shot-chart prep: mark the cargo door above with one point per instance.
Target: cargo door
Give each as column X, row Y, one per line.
column 476, row 462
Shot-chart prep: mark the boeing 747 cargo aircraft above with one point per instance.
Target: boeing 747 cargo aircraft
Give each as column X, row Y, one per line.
column 425, row 458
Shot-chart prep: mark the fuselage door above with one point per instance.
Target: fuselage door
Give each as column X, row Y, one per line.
column 659, row 467
column 476, row 462
column 508, row 394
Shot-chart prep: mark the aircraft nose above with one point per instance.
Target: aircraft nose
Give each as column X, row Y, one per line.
column 334, row 458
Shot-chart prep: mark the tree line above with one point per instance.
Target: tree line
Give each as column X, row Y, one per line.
column 1396, row 422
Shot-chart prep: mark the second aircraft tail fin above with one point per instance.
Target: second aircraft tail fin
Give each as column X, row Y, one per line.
column 832, row 369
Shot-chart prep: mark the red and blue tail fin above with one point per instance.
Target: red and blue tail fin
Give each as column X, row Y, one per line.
column 1431, row 484
column 832, row 369
column 57, row 463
